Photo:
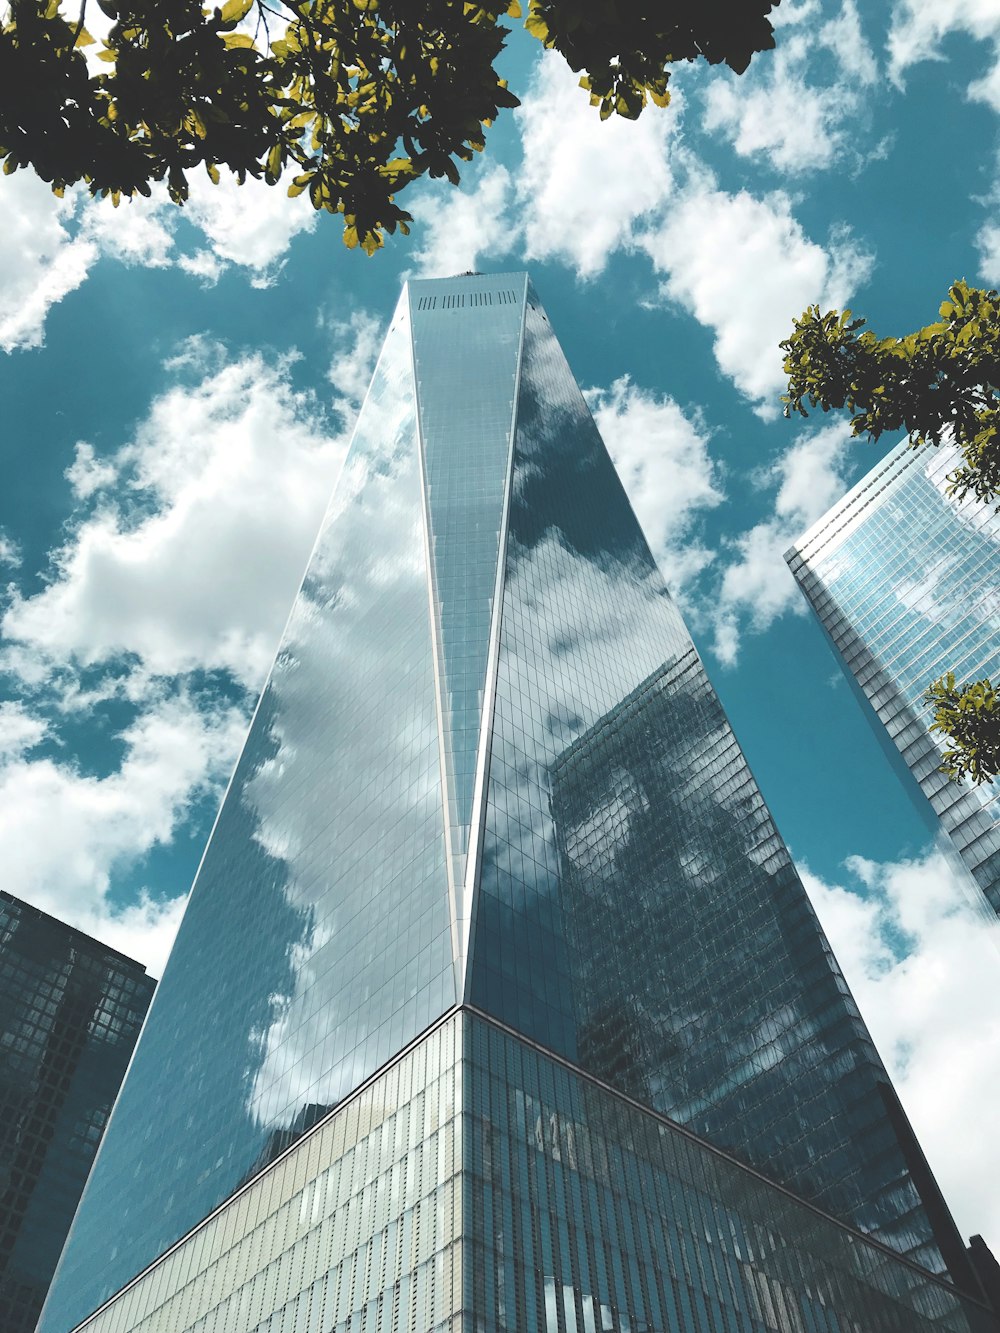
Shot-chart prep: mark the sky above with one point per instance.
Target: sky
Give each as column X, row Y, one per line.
column 178, row 389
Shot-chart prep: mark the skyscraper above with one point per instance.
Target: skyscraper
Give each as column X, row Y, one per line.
column 491, row 910
column 906, row 582
column 70, row 1011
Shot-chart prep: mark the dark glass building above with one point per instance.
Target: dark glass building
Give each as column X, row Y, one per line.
column 70, row 1012
column 905, row 579
column 498, row 1003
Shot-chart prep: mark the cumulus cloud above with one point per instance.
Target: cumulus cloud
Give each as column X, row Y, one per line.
column 663, row 459
column 138, row 232
column 192, row 558
column 568, row 152
column 919, row 29
column 19, row 731
column 143, row 930
column 359, row 339
column 744, row 267
column 48, row 246
column 64, row 833
column 756, row 586
column 87, row 473
column 41, row 260
column 250, row 225
column 10, row 552
column 798, row 108
column 458, row 226
column 988, row 237
column 925, row 971
column 988, row 241
column 549, row 209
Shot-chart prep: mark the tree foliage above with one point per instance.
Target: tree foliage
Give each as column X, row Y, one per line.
column 359, row 96
column 969, row 716
column 942, row 380
column 939, row 382
column 624, row 48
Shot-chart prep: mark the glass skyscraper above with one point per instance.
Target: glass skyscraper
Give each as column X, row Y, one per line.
column 906, row 582
column 498, row 1003
column 70, row 1011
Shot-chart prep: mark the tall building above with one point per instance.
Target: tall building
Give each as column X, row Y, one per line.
column 498, row 997
column 70, row 1012
column 906, row 582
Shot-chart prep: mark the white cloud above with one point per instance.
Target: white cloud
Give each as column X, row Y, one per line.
column 783, row 108
column 143, row 930
column 585, row 183
column 193, row 559
column 251, row 225
column 843, row 36
column 87, row 473
column 49, row 246
column 40, row 260
column 19, row 731
column 10, row 552
column 933, row 1008
column 580, row 190
column 987, row 89
column 64, row 833
column 662, row 458
column 920, row 28
column 460, row 225
column 988, row 241
column 138, row 231
column 757, row 587
column 744, row 268
column 205, row 265
column 988, row 238
column 359, row 340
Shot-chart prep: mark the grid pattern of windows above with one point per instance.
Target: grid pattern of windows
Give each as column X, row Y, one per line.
column 317, row 942
column 357, row 1229
column 586, row 1214
column 906, row 582
column 637, row 911
column 465, row 367
column 479, row 1185
column 70, row 1011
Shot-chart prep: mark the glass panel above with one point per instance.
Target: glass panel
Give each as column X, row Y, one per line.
column 317, row 941
column 561, row 1207
column 906, row 583
column 70, row 1012
column 650, row 1228
column 465, row 349
column 278, row 1258
column 638, row 912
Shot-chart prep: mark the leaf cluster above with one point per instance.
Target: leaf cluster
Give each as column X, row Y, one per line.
column 941, row 380
column 357, row 97
column 361, row 96
column 969, row 717
column 625, row 47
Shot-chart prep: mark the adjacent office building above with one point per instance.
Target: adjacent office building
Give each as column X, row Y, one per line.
column 70, row 1012
column 498, row 1002
column 906, row 582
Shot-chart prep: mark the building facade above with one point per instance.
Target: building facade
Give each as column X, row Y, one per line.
column 906, row 582
column 498, row 997
column 70, row 1012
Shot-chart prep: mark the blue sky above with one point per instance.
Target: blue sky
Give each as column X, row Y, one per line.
column 178, row 389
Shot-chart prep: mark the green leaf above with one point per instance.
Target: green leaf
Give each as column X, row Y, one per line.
column 233, row 11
